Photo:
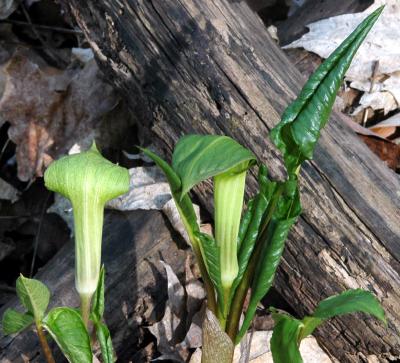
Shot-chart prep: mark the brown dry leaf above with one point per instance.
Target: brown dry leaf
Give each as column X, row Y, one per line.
column 387, row 151
column 388, row 127
column 49, row 109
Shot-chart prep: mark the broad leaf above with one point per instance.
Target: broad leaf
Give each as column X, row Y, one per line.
column 298, row 132
column 98, row 299
column 66, row 327
column 211, row 257
column 34, row 296
column 104, row 337
column 350, row 301
column 285, row 215
column 284, row 339
column 184, row 205
column 199, row 157
column 14, row 321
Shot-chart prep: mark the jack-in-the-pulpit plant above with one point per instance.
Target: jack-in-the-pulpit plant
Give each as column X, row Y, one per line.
column 88, row 180
column 241, row 259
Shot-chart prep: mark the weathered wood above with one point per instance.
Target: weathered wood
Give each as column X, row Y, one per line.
column 208, row 66
column 136, row 288
column 296, row 25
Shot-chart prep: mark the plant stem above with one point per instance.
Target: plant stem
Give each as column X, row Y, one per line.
column 211, row 301
column 241, row 291
column 45, row 346
column 85, row 308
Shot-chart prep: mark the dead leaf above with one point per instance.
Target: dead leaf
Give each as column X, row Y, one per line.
column 7, row 191
column 7, row 7
column 386, row 150
column 387, row 127
column 50, row 109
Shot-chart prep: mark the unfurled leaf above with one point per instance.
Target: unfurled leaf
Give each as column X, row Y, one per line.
column 298, row 132
column 350, row 301
column 285, row 215
column 289, row 332
column 34, row 296
column 284, row 341
column 66, row 327
column 14, row 321
column 184, row 205
column 98, row 299
column 104, row 337
column 199, row 157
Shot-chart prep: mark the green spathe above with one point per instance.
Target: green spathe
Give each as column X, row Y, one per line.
column 88, row 180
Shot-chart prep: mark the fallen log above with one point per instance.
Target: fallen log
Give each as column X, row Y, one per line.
column 136, row 287
column 209, row 66
column 313, row 10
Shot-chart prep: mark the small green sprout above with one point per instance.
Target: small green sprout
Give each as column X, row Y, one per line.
column 88, row 180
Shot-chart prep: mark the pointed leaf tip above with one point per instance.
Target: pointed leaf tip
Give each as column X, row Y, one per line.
column 299, row 130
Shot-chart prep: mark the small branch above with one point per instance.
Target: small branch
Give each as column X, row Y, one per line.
column 44, row 27
column 44, row 344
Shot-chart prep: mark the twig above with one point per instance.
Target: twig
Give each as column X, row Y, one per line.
column 55, row 57
column 371, row 88
column 4, row 147
column 35, row 248
column 44, row 27
column 6, row 288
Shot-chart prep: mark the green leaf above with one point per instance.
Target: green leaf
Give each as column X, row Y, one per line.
column 285, row 215
column 199, row 157
column 184, row 205
column 244, row 223
column 212, row 260
column 14, row 321
column 284, row 346
column 298, row 132
column 66, row 327
column 34, row 296
column 104, row 337
column 350, row 301
column 98, row 299
column 260, row 205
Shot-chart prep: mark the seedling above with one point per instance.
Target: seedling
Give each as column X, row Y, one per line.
column 243, row 257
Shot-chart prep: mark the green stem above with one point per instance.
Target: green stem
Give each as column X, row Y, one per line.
column 85, row 308
column 241, row 291
column 44, row 344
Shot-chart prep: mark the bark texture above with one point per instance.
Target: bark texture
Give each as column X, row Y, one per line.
column 136, row 288
column 189, row 66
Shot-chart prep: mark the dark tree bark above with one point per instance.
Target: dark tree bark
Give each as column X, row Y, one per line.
column 189, row 66
column 136, row 288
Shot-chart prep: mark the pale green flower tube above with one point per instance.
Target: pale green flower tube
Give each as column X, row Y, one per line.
column 88, row 180
column 228, row 204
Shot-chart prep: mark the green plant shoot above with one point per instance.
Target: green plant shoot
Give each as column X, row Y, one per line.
column 88, row 180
